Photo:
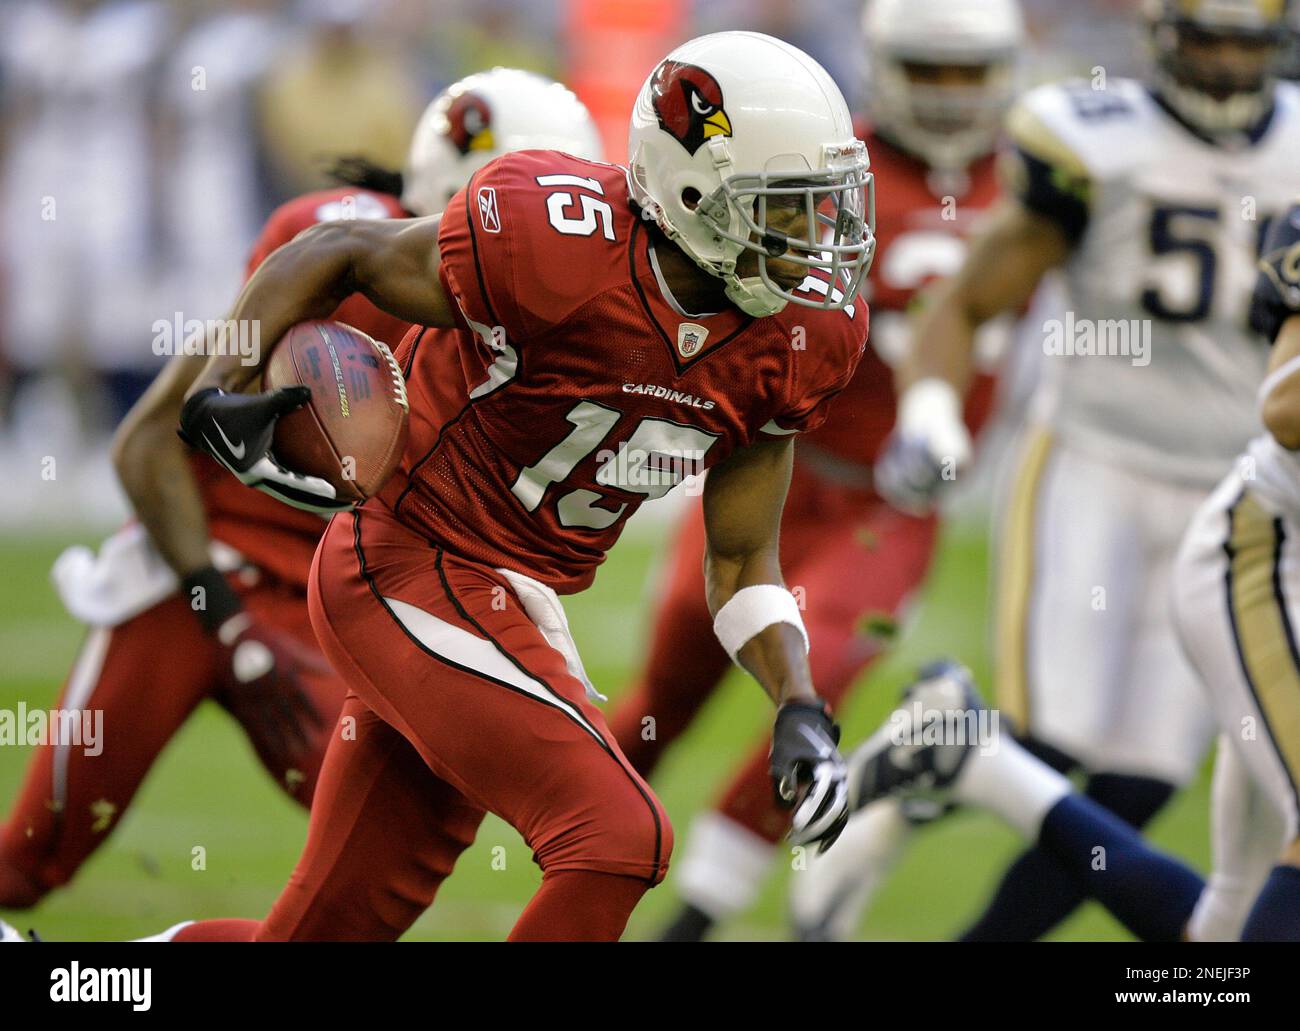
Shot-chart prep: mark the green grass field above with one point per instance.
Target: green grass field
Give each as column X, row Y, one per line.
column 207, row 789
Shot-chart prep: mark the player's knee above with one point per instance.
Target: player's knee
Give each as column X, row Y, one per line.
column 636, row 834
column 626, row 832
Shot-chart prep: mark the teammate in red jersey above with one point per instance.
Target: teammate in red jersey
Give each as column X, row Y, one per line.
column 856, row 559
column 237, row 630
column 583, row 355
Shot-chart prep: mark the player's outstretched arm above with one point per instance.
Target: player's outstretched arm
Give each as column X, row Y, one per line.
column 1003, row 268
column 758, row 622
column 392, row 262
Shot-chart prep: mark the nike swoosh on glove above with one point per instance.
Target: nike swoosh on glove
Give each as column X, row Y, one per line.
column 236, row 430
column 808, row 773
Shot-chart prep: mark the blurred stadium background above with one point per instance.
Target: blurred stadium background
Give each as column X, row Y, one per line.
column 142, row 144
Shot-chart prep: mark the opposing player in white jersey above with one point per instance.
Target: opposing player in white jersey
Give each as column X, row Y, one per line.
column 1237, row 603
column 1236, row 598
column 1151, row 199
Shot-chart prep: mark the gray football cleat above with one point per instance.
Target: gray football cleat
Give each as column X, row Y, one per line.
column 924, row 742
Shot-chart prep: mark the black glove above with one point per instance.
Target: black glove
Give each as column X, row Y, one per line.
column 236, row 430
column 264, row 689
column 804, row 758
column 264, row 669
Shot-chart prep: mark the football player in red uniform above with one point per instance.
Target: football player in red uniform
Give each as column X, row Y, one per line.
column 583, row 354
column 940, row 86
column 205, row 596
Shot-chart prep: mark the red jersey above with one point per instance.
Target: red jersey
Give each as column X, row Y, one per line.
column 574, row 389
column 920, row 237
column 271, row 535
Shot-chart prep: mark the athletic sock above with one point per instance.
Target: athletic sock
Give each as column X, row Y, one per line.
column 1148, row 892
column 1011, row 783
column 1033, row 896
column 828, row 898
column 722, row 868
column 1275, row 917
column 1038, row 891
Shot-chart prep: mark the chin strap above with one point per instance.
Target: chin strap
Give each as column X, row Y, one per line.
column 752, row 296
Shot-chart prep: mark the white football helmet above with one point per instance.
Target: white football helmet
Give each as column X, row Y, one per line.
column 947, row 126
column 731, row 120
column 1215, row 100
column 482, row 117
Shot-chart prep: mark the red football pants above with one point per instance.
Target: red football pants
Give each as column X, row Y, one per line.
column 855, row 559
column 146, row 676
column 458, row 706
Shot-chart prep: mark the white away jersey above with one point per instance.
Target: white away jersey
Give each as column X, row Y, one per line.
column 1154, row 364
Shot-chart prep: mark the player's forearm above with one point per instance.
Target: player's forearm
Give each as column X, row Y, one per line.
column 307, row 278
column 776, row 656
column 943, row 342
column 155, row 473
column 1281, row 416
column 154, row 469
column 1003, row 268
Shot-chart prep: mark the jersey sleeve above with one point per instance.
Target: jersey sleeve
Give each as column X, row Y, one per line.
column 1042, row 170
column 1277, row 288
column 510, row 254
column 477, row 256
column 823, row 366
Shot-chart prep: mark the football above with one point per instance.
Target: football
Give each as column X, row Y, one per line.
column 353, row 430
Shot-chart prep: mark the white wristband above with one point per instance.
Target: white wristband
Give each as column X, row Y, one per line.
column 928, row 402
column 753, row 609
column 931, row 410
column 1284, row 371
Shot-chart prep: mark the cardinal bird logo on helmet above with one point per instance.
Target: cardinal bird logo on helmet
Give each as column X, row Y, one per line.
column 469, row 123
column 688, row 103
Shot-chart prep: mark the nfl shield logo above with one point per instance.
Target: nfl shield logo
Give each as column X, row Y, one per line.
column 690, row 338
column 487, row 209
